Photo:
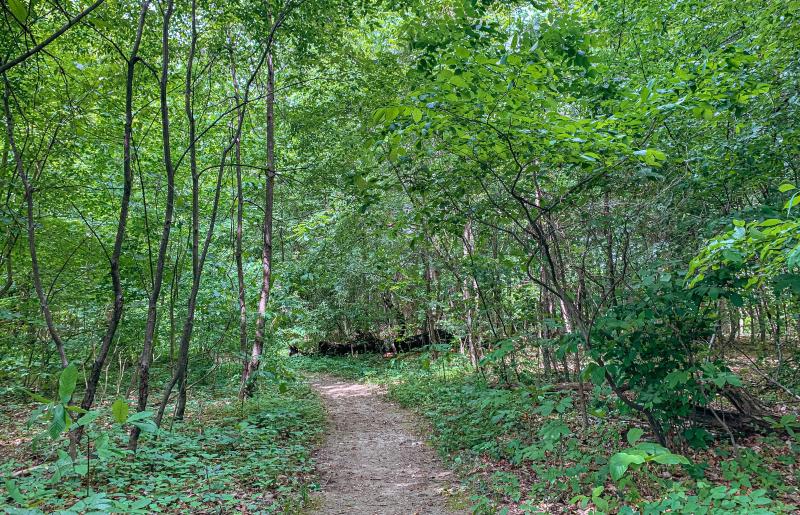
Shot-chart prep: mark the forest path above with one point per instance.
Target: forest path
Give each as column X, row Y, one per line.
column 372, row 461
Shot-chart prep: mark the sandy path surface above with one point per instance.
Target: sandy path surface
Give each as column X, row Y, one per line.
column 372, row 461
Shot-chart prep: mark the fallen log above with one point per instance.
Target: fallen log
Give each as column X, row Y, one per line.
column 418, row 341
column 359, row 343
column 738, row 423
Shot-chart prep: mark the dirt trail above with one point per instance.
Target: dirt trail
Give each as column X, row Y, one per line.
column 372, row 462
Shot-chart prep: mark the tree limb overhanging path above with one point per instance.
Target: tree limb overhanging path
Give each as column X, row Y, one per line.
column 372, row 462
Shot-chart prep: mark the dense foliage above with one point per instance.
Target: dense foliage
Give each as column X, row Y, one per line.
column 585, row 212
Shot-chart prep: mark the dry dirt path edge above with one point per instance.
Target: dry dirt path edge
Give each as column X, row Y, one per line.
column 372, row 460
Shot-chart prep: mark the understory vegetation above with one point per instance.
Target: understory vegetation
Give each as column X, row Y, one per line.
column 567, row 232
column 228, row 456
column 524, row 449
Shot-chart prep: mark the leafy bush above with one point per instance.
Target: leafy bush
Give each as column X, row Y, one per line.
column 654, row 345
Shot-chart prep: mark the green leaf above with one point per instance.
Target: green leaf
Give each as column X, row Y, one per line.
column 783, row 188
column 390, row 113
column 102, row 442
column 14, row 493
column 670, row 459
column 732, row 256
column 619, row 463
column 87, row 419
column 139, row 415
column 416, row 115
column 147, row 426
column 19, row 10
column 66, row 383
column 39, row 398
column 598, row 375
column 791, row 203
column 554, row 430
column 59, row 422
column 651, row 448
column 634, row 434
column 378, row 115
column 141, row 503
column 676, row 377
column 458, row 80
column 120, row 411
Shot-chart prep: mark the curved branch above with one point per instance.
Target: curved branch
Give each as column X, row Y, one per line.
column 41, row 46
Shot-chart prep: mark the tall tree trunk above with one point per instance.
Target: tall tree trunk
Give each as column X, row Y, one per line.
column 6, row 261
column 545, row 305
column 173, row 299
column 761, row 309
column 252, row 365
column 199, row 257
column 127, row 179
column 150, row 328
column 468, row 238
column 181, row 371
column 239, row 219
column 430, row 315
column 611, row 279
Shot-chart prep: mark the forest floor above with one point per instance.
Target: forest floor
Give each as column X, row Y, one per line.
column 362, row 437
column 226, row 457
column 373, row 460
column 521, row 449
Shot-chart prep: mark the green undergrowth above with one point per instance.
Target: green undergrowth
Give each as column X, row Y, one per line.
column 525, row 448
column 228, row 457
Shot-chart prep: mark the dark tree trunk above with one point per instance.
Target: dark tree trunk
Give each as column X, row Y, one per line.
column 150, row 328
column 31, row 226
column 127, row 174
column 199, row 256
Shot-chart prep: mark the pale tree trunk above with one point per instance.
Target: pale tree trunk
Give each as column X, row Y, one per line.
column 239, row 218
column 430, row 315
column 559, row 270
column 251, row 366
column 611, row 279
column 546, row 307
column 467, row 288
column 544, row 331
